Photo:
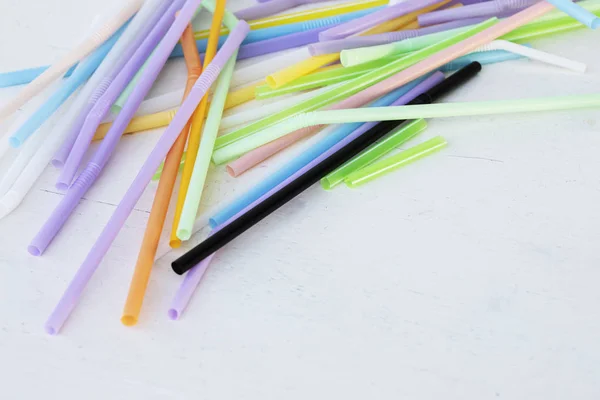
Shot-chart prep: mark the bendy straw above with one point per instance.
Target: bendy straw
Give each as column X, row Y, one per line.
column 113, row 63
column 378, row 17
column 84, row 70
column 162, row 198
column 72, row 57
column 301, row 181
column 75, row 289
column 576, row 11
column 236, row 143
column 485, row 9
column 333, row 136
column 336, row 46
column 112, row 89
column 96, row 164
column 220, row 13
column 273, row 7
column 401, row 159
column 400, row 135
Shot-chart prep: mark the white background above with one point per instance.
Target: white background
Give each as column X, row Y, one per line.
column 472, row 274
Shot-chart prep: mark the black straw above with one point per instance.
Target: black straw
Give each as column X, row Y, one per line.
column 250, row 218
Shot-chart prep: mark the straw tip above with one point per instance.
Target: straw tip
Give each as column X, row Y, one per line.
column 14, row 142
column 57, row 163
column 61, row 186
column 213, row 223
column 34, row 250
column 183, row 234
column 129, row 320
column 175, row 243
column 173, row 314
column 595, row 23
column 50, row 330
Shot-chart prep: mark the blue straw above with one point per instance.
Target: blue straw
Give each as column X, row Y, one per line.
column 81, row 74
column 303, row 159
column 277, row 31
column 24, row 76
column 483, row 57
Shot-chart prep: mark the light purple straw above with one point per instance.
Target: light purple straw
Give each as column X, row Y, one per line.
column 71, row 296
column 335, row 46
column 94, row 167
column 279, row 43
column 361, row 24
column 74, row 129
column 487, row 9
column 102, row 106
column 273, row 7
column 193, row 277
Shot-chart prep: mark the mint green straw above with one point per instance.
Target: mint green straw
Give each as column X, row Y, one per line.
column 334, row 95
column 400, row 135
column 405, row 112
column 389, row 164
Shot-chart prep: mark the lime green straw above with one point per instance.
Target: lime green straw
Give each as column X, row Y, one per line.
column 334, row 95
column 401, row 135
column 537, row 30
column 589, row 5
column 405, row 112
column 383, row 167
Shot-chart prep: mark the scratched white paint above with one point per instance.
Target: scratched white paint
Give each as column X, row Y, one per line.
column 472, row 274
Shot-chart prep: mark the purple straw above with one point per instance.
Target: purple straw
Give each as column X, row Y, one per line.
column 361, row 24
column 487, row 9
column 279, row 44
column 335, row 46
column 273, row 7
column 74, row 129
column 193, row 277
column 102, row 106
column 94, row 167
column 71, row 296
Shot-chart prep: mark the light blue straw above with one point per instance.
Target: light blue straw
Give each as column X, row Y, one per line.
column 24, row 76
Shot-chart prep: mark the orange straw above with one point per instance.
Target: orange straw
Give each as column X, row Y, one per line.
column 162, row 198
column 197, row 123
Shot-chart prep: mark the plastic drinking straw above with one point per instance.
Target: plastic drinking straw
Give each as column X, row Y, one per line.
column 81, row 74
column 335, row 46
column 274, row 7
column 162, row 198
column 259, row 70
column 220, row 14
column 302, row 16
column 361, row 55
column 80, row 51
column 486, row 9
column 279, row 44
column 588, row 5
column 376, row 18
column 23, row 76
column 75, row 289
column 157, row 119
column 129, row 41
column 241, row 141
column 383, row 167
column 94, row 167
column 535, row 31
column 336, row 135
column 484, row 58
column 262, row 190
column 303, row 179
column 302, row 68
column 579, row 13
column 400, row 135
column 198, row 179
column 249, row 115
column 534, row 54
column 101, row 106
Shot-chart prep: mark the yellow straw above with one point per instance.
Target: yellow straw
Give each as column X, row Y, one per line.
column 302, row 68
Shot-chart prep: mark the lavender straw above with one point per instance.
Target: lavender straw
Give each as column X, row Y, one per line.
column 71, row 296
column 94, row 167
column 102, row 106
column 75, row 127
column 376, row 18
column 487, row 9
column 279, row 44
column 335, row 46
column 273, row 7
column 193, row 277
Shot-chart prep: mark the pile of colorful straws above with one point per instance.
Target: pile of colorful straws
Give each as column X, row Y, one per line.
column 373, row 70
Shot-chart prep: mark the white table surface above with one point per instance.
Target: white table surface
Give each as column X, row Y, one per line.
column 472, row 274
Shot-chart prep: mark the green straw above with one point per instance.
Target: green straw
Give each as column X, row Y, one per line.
column 589, row 5
column 405, row 112
column 537, row 30
column 399, row 136
column 383, row 167
column 336, row 94
column 159, row 170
